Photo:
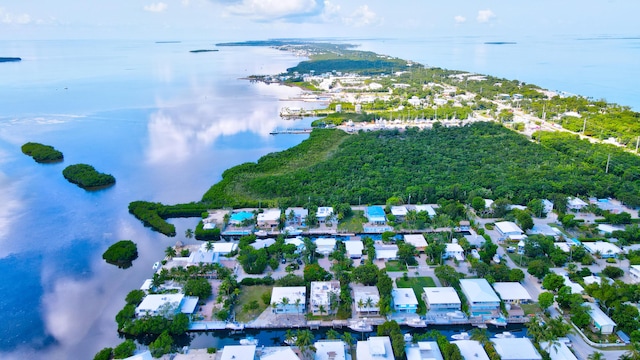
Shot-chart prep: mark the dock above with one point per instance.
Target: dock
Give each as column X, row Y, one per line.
column 291, row 131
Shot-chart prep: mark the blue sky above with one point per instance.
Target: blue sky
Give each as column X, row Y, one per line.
column 260, row 19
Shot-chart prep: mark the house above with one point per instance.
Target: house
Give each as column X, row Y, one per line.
column 386, row 252
column 471, row 350
column 325, row 246
column 575, row 287
column 404, row 300
column 354, row 248
column 423, row 350
column 297, row 241
column 400, row 212
column 321, row 296
column 262, row 243
column 238, row 352
column 289, row 300
column 366, row 299
column 375, row 215
column 324, row 214
column 426, row 208
column 512, row 292
column 269, row 219
column 546, row 230
column 515, row 349
column 455, row 251
column 145, row 355
column 417, row 240
column 576, row 204
column 547, row 205
column 166, row 305
column 278, row 353
column 464, row 225
column 600, row 320
column 605, row 229
column 634, row 271
column 329, row 350
column 483, row 301
column 564, row 246
column 296, row 216
column 442, row 298
column 508, row 228
column 605, row 249
column 558, row 350
column 375, row 348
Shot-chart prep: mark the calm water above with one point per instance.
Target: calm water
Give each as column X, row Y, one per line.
column 166, row 123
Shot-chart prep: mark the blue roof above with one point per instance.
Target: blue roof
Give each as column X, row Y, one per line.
column 375, row 211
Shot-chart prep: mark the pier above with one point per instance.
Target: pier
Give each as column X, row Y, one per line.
column 292, row 131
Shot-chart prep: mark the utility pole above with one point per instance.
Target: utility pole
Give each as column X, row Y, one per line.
column 584, row 126
column 606, row 171
column 637, row 143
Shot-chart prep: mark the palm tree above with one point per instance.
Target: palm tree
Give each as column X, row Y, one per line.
column 304, row 341
column 188, row 233
column 597, row 355
column 209, row 246
column 322, row 309
column 633, row 353
column 480, row 335
column 284, row 302
column 297, row 302
column 170, row 252
column 360, row 305
column 369, row 304
column 348, row 338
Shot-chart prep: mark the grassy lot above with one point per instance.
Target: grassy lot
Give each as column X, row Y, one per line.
column 244, row 311
column 417, row 283
column 394, row 265
column 531, row 309
column 353, row 223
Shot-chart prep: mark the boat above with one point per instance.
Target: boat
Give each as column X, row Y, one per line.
column 361, row 326
column 408, row 337
column 498, row 322
column 504, row 335
column 292, row 231
column 235, row 326
column 249, row 340
column 156, row 265
column 462, row 336
column 260, row 233
column 291, row 341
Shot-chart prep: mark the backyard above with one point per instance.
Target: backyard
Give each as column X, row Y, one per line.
column 417, row 283
column 353, row 223
column 250, row 304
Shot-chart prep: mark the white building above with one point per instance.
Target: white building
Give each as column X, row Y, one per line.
column 386, row 252
column 263, row 243
column 354, row 248
column 575, row 287
column 321, row 296
column 366, row 299
column 325, row 246
column 269, row 219
column 508, row 228
column 471, row 350
column 516, row 349
column 426, row 208
column 417, row 240
column 558, row 351
column 442, row 298
column 576, row 204
column 423, row 350
column 512, row 292
column 166, row 305
column 483, row 301
column 277, row 353
column 375, row 348
column 289, row 300
column 454, row 251
column 634, row 271
column 600, row 320
column 605, row 249
column 329, row 350
column 404, row 300
column 238, row 352
column 400, row 212
column 324, row 213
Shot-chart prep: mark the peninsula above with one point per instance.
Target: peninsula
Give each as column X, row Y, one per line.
column 10, row 59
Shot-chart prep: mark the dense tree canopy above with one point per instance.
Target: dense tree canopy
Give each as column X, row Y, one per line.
column 121, row 253
column 86, row 176
column 42, row 153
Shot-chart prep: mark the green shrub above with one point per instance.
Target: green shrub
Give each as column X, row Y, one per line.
column 121, row 253
column 86, row 177
column 42, row 153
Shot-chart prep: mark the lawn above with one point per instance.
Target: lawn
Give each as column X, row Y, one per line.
column 531, row 309
column 394, row 265
column 417, row 283
column 353, row 223
column 245, row 308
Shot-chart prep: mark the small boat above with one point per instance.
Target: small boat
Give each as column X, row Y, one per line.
column 408, row 337
column 505, row 335
column 156, row 265
column 498, row 322
column 292, row 231
column 260, row 233
column 235, row 326
column 361, row 326
column 462, row 336
column 291, row 341
column 249, row 340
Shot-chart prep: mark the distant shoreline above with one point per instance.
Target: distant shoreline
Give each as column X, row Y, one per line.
column 203, row 50
column 10, row 59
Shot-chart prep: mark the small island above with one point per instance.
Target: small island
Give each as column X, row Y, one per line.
column 121, row 254
column 42, row 153
column 10, row 59
column 86, row 177
column 203, row 50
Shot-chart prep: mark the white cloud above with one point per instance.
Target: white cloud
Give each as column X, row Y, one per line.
column 485, row 15
column 185, row 2
column 10, row 18
column 363, row 16
column 459, row 19
column 274, row 9
column 330, row 11
column 156, row 7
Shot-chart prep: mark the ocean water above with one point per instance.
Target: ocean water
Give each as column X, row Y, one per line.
column 166, row 123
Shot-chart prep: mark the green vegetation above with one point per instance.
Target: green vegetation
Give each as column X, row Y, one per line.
column 104, row 354
column 417, row 284
column 353, row 223
column 42, row 153
column 153, row 215
column 121, row 254
column 395, row 265
column 86, row 177
column 250, row 302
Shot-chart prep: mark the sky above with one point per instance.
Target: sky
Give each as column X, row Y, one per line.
column 236, row 20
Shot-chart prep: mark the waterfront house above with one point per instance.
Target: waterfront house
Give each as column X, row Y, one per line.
column 471, row 350
column 404, row 300
column 366, row 299
column 400, row 212
column 325, row 246
column 354, row 248
column 375, row 215
column 455, row 251
column 238, row 352
column 423, row 350
column 375, row 348
column 507, row 229
column 299, row 216
column 417, row 240
column 386, row 252
column 321, row 294
column 239, row 217
column 483, row 301
column 329, row 350
column 166, row 305
column 605, row 249
column 277, row 353
column 324, row 214
column 289, row 300
column 600, row 321
column 515, row 349
column 269, row 219
column 512, row 292
column 426, row 208
column 442, row 298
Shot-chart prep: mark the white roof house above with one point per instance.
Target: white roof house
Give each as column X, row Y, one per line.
column 558, row 351
column 423, row 350
column 222, row 247
column 417, row 240
column 471, row 349
column 399, row 211
column 444, row 298
column 329, row 350
column 145, row 355
column 575, row 287
column 238, row 352
column 354, row 248
column 600, row 320
column 506, row 228
column 158, row 304
column 455, row 251
column 386, row 252
column 296, row 297
column 325, row 246
column 634, row 271
column 263, row 243
column 606, row 249
column 480, row 295
column 512, row 292
column 404, row 299
column 365, row 293
column 375, row 348
column 608, row 229
column 564, row 246
column 323, row 213
column 516, row 349
column 321, row 296
column 278, row 353
column 576, row 203
column 297, row 241
column 269, row 218
column 426, row 208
